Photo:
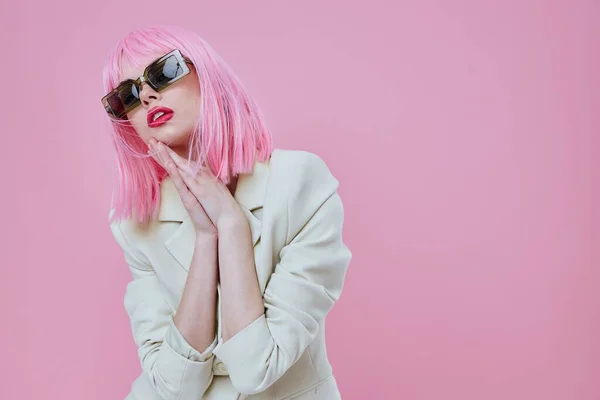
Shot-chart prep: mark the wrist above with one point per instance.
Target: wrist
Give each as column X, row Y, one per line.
column 231, row 220
column 207, row 236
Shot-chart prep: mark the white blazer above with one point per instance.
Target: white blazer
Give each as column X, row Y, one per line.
column 295, row 216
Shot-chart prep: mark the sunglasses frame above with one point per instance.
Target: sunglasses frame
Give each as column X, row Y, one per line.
column 183, row 61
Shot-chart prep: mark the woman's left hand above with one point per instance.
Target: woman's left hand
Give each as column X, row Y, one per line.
column 214, row 196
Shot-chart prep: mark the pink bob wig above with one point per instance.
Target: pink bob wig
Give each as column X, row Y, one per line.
column 229, row 136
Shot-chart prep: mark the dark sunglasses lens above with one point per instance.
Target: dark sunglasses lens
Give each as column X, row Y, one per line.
column 114, row 105
column 124, row 99
column 129, row 94
column 163, row 73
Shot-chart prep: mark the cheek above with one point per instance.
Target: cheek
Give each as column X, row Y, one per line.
column 193, row 104
column 186, row 106
column 187, row 95
column 184, row 97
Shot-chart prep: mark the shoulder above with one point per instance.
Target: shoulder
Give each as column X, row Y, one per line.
column 127, row 235
column 301, row 170
column 125, row 231
column 119, row 228
column 300, row 182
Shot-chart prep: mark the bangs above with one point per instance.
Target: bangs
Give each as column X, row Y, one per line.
column 139, row 49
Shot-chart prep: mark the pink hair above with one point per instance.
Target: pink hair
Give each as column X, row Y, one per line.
column 230, row 134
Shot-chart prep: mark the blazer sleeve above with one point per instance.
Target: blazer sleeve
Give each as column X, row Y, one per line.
column 176, row 370
column 303, row 288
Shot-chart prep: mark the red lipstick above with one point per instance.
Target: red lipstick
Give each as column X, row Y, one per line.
column 166, row 114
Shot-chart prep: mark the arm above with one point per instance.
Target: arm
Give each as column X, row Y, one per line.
column 260, row 346
column 241, row 300
column 196, row 315
column 176, row 369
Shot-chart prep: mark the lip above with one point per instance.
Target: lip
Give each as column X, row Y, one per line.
column 168, row 114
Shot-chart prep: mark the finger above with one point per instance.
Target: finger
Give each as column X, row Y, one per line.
column 162, row 153
column 152, row 145
column 174, row 155
column 191, row 183
column 209, row 172
column 153, row 151
column 179, row 161
column 187, row 197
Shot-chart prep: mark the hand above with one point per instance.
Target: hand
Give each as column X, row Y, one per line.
column 213, row 196
column 202, row 223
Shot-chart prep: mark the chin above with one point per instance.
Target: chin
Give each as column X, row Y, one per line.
column 171, row 137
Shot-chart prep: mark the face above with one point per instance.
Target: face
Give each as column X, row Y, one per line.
column 181, row 97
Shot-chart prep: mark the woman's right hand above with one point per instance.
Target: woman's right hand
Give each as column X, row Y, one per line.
column 200, row 219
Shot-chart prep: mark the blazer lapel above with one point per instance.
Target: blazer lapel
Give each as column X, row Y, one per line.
column 249, row 194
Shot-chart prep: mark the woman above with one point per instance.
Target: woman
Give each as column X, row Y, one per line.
column 235, row 248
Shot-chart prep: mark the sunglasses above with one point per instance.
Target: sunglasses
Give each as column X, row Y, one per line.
column 159, row 74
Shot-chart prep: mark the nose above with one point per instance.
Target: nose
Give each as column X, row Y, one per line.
column 148, row 95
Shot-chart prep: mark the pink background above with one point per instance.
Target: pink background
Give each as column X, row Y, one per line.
column 461, row 132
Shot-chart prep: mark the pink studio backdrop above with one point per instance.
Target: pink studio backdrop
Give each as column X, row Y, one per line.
column 461, row 133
